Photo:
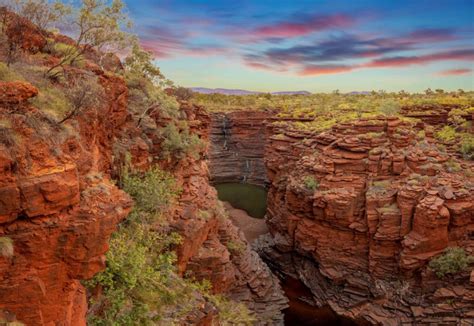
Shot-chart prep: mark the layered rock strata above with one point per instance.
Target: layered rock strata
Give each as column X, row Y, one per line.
column 383, row 206
column 237, row 147
column 58, row 212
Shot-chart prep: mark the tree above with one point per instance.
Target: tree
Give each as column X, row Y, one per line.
column 43, row 13
column 140, row 64
column 83, row 93
column 182, row 93
column 98, row 26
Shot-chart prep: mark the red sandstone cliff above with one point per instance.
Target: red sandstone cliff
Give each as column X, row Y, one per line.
column 385, row 205
column 59, row 205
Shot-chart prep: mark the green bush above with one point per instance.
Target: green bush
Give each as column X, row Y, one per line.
column 452, row 261
column 153, row 191
column 6, row 247
column 232, row 313
column 446, row 134
column 8, row 74
column 310, row 183
column 390, row 107
column 466, row 147
column 140, row 285
column 181, row 143
column 235, row 246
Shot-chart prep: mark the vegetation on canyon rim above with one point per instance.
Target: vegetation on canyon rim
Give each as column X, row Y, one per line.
column 140, row 284
column 319, row 112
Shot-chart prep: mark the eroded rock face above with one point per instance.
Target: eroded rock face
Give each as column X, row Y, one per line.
column 212, row 247
column 237, row 147
column 58, row 213
column 385, row 204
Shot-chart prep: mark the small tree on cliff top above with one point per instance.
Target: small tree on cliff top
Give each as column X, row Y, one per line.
column 43, row 13
column 97, row 24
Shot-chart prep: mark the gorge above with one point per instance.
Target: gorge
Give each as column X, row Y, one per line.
column 110, row 210
column 388, row 209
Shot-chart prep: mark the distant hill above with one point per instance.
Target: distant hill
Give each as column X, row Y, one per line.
column 226, row 91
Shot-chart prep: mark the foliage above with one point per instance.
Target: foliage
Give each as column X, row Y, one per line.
column 139, row 64
column 446, row 134
column 6, row 247
column 63, row 51
column 390, row 107
column 83, row 92
column 321, row 111
column 310, row 183
column 452, row 261
column 180, row 143
column 182, row 93
column 43, row 13
column 232, row 313
column 453, row 166
column 235, row 246
column 145, row 83
column 455, row 117
column 98, row 25
column 140, row 285
column 153, row 191
column 8, row 74
column 467, row 147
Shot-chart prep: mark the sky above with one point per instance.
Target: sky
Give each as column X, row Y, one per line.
column 316, row 45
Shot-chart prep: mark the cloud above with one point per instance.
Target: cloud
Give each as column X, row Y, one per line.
column 454, row 72
column 303, row 25
column 314, row 70
column 164, row 42
column 331, row 55
column 401, row 61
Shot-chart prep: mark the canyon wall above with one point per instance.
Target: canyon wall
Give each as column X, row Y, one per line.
column 381, row 204
column 56, row 205
column 59, row 204
column 237, row 147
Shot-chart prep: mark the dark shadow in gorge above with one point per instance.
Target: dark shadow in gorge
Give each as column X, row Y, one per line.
column 301, row 313
column 253, row 200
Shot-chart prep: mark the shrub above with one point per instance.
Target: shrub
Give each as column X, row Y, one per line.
column 390, row 107
column 153, row 191
column 6, row 247
column 220, row 210
column 82, row 93
column 182, row 93
column 204, row 214
column 67, row 53
column 232, row 313
column 140, row 285
column 235, row 246
column 310, row 183
column 179, row 144
column 8, row 74
column 453, row 166
column 53, row 100
column 467, row 147
column 446, row 134
column 452, row 261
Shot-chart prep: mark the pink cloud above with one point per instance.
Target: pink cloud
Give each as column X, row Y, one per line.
column 454, row 72
column 315, row 70
column 304, row 26
column 461, row 55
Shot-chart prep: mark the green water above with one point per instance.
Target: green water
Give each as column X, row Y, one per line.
column 250, row 198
